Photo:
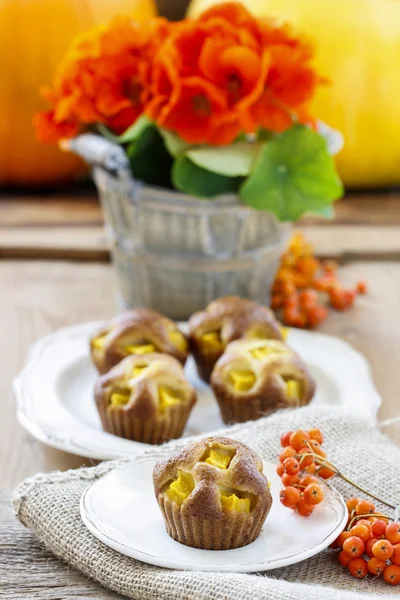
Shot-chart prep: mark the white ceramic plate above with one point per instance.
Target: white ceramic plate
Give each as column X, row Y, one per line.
column 55, row 390
column 120, row 509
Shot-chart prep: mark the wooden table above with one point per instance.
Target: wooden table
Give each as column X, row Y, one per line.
column 55, row 271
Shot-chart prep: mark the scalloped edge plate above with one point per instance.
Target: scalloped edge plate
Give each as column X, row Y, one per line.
column 121, row 510
column 55, row 402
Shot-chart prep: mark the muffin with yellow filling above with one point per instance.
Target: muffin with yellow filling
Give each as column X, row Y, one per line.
column 139, row 332
column 145, row 398
column 213, row 494
column 223, row 321
column 256, row 377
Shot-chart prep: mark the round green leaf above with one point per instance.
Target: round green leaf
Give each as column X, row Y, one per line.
column 192, row 179
column 236, row 160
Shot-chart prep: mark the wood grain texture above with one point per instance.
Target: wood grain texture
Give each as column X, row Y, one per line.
column 28, row 571
column 71, row 228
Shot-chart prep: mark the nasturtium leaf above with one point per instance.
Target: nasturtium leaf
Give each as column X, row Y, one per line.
column 192, row 179
column 131, row 134
column 149, row 160
column 293, row 174
column 236, row 160
column 173, row 143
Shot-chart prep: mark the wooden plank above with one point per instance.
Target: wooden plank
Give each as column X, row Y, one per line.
column 345, row 243
column 82, row 208
column 28, row 571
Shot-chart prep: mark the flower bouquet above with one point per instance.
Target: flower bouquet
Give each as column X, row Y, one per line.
column 211, row 117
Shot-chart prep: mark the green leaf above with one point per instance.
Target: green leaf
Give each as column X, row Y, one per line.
column 131, row 134
column 293, row 174
column 150, row 162
column 173, row 143
column 192, row 179
column 236, row 160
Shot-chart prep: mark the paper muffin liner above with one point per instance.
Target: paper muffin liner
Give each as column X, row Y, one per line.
column 228, row 531
column 235, row 410
column 155, row 430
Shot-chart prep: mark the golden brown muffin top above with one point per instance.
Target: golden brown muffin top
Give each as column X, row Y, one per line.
column 137, row 332
column 145, row 386
column 250, row 368
column 233, row 318
column 213, row 476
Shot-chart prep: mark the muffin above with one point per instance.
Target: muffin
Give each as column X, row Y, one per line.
column 145, row 398
column 256, row 377
column 224, row 321
column 213, row 494
column 137, row 332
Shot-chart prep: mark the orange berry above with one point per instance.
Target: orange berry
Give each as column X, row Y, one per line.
column 277, row 301
column 366, row 523
column 378, row 528
column 382, row 549
column 291, row 466
column 316, row 315
column 392, row 575
column 341, row 299
column 290, row 479
column 342, row 538
column 307, row 479
column 279, row 469
column 392, row 533
column 362, row 287
column 368, row 547
column 376, row 566
column 352, row 503
column 313, row 494
column 358, row 568
column 289, row 497
column 308, row 299
column 344, row 558
column 331, row 266
column 364, row 507
column 304, row 509
column 285, row 439
column 317, row 448
column 395, row 558
column 326, row 473
column 354, row 546
column 305, row 461
column 311, row 468
column 299, row 439
column 316, row 434
column 362, row 531
column 287, row 452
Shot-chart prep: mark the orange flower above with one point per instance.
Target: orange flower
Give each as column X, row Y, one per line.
column 104, row 78
column 198, row 113
column 208, row 79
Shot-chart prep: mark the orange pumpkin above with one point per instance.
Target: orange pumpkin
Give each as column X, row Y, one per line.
column 34, row 34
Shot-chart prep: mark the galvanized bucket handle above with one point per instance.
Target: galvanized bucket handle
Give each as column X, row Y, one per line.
column 99, row 152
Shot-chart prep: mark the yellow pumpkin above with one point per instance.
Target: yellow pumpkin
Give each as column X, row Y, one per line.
column 34, row 34
column 359, row 50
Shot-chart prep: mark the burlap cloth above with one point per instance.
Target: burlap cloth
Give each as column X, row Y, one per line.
column 49, row 506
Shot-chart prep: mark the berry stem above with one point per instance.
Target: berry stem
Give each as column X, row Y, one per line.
column 326, row 463
column 376, row 515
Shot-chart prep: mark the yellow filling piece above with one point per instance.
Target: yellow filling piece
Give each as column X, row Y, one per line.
column 180, row 489
column 242, row 381
column 293, row 390
column 120, row 399
column 140, row 349
column 284, row 332
column 98, row 343
column 234, row 504
column 213, row 340
column 177, row 338
column 166, row 397
column 218, row 459
column 138, row 370
column 261, row 353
